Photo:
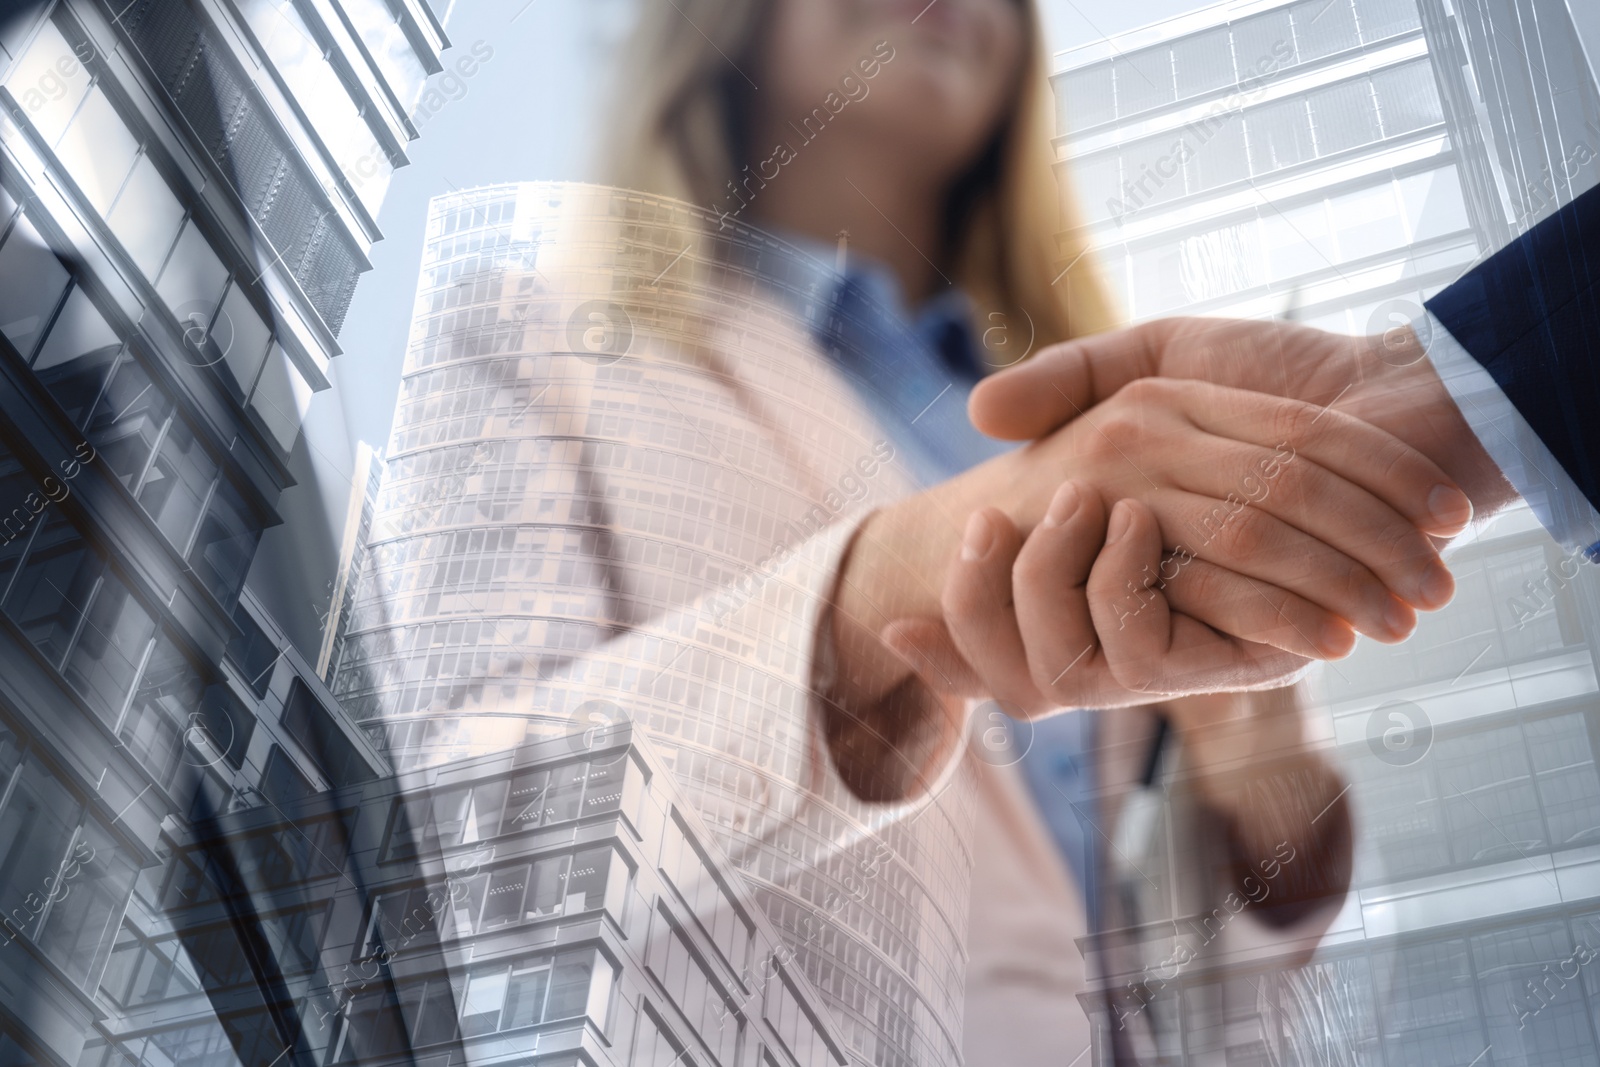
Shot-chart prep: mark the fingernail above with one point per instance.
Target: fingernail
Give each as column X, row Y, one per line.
column 1064, row 506
column 1121, row 522
column 1449, row 506
column 978, row 539
column 1438, row 586
column 1399, row 618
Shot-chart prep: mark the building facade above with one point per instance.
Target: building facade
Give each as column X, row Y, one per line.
column 1339, row 162
column 494, row 542
column 1327, row 159
column 188, row 194
column 558, row 903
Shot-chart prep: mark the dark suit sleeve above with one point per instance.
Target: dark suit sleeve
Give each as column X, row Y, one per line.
column 1530, row 315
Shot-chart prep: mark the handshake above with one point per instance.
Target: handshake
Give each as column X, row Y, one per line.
column 1203, row 505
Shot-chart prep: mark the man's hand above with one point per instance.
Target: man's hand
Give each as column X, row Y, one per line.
column 1293, row 527
column 1385, row 380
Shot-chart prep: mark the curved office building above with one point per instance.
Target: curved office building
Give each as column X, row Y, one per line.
column 573, row 525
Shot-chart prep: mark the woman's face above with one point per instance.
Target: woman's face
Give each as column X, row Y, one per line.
column 931, row 79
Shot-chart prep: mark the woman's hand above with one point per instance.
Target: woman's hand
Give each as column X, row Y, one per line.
column 1053, row 620
column 1259, row 532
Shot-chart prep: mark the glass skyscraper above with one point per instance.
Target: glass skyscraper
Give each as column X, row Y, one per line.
column 543, row 904
column 188, row 194
column 1338, row 162
column 529, row 522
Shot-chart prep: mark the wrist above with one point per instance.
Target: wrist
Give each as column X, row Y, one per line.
column 1399, row 390
column 883, row 728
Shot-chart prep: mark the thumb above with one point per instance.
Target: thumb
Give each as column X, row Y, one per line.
column 1039, row 395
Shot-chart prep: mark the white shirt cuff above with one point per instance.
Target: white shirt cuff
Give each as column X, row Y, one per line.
column 1514, row 446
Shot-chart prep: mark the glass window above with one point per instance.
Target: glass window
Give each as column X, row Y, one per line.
column 1217, row 155
column 486, row 996
column 549, row 878
column 1431, row 1013
column 1324, row 27
column 252, row 652
column 526, row 992
column 436, row 1021
column 176, row 486
column 304, row 65
column 1085, row 98
column 80, row 332
column 49, row 82
column 128, row 421
column 146, row 217
column 98, row 151
column 466, row 905
column 1343, row 116
column 192, row 285
column 35, row 281
column 1099, row 188
column 374, row 1029
column 16, row 524
column 563, row 800
column 296, row 937
column 381, row 32
column 10, row 755
column 106, row 657
column 36, row 831
column 241, row 339
column 163, row 708
column 1490, row 807
column 569, row 985
column 1153, row 170
column 1144, row 80
column 1434, row 204
column 282, row 398
column 503, row 903
column 50, row 592
column 1370, row 222
column 228, row 727
column 82, row 925
column 1280, row 135
column 1262, row 37
column 1297, row 240
column 282, row 782
column 1204, row 62
column 586, row 881
column 1386, row 18
column 225, row 544
column 1564, row 769
column 309, row 723
column 1408, row 98
column 1158, row 281
column 525, row 805
column 603, row 786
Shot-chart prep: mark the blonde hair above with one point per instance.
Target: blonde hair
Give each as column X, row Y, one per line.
column 678, row 113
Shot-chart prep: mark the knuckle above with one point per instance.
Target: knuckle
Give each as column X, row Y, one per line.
column 1122, row 428
column 1143, row 391
column 1250, row 534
